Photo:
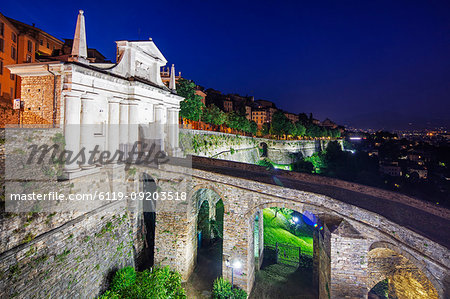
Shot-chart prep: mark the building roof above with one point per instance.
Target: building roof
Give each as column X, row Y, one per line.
column 27, row 28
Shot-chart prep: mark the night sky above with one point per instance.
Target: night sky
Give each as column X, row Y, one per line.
column 363, row 63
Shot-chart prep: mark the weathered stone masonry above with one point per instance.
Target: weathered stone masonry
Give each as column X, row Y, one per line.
column 79, row 251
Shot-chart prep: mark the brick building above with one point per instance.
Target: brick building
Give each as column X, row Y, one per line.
column 292, row 117
column 259, row 116
column 20, row 43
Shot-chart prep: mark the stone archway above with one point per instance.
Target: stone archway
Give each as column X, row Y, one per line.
column 264, row 149
column 208, row 244
column 300, row 278
column 403, row 278
column 148, row 187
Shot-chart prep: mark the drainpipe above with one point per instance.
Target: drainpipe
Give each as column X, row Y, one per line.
column 54, row 96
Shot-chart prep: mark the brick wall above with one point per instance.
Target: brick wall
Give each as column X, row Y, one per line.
column 38, row 94
column 7, row 114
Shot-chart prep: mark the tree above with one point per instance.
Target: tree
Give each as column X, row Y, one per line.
column 313, row 130
column 303, row 118
column 235, row 121
column 265, row 128
column 318, row 161
column 213, row 115
column 253, row 127
column 300, row 129
column 191, row 107
column 285, row 211
column 280, row 125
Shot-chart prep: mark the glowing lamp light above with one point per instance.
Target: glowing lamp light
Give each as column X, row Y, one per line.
column 321, row 228
column 236, row 264
column 295, row 219
column 315, row 224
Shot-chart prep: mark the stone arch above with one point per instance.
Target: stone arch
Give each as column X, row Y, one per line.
column 387, row 261
column 254, row 263
column 193, row 192
column 205, row 200
column 148, row 185
column 264, row 147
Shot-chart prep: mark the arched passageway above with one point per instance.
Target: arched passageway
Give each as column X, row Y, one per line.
column 263, row 149
column 209, row 237
column 285, row 267
column 149, row 213
column 392, row 275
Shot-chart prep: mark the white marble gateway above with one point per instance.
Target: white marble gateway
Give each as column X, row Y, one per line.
column 112, row 105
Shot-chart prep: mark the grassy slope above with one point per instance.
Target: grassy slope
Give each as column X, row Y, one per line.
column 276, row 230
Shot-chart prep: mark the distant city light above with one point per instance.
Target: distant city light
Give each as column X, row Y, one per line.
column 355, row 138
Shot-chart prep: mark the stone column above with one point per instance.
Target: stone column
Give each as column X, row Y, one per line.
column 87, row 128
column 72, row 129
column 159, row 127
column 133, row 123
column 348, row 258
column 113, row 127
column 173, row 130
column 123, row 130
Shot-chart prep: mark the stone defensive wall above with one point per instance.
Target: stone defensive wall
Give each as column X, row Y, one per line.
column 365, row 229
column 245, row 149
column 71, row 251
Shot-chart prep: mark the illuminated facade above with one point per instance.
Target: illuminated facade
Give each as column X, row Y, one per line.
column 20, row 43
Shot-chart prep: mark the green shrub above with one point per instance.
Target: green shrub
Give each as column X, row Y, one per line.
column 161, row 283
column 109, row 295
column 222, row 290
column 239, row 294
column 123, row 278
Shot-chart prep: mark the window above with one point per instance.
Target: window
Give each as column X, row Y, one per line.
column 41, row 42
column 2, row 29
column 11, row 90
column 14, row 37
column 1, row 68
column 2, row 45
column 11, row 76
column 30, row 46
column 13, row 52
column 28, row 58
column 48, row 45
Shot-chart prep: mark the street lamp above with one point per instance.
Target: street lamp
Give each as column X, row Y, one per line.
column 236, row 264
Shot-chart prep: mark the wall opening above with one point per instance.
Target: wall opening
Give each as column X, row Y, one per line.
column 287, row 259
column 149, row 211
column 392, row 275
column 263, row 149
column 209, row 244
